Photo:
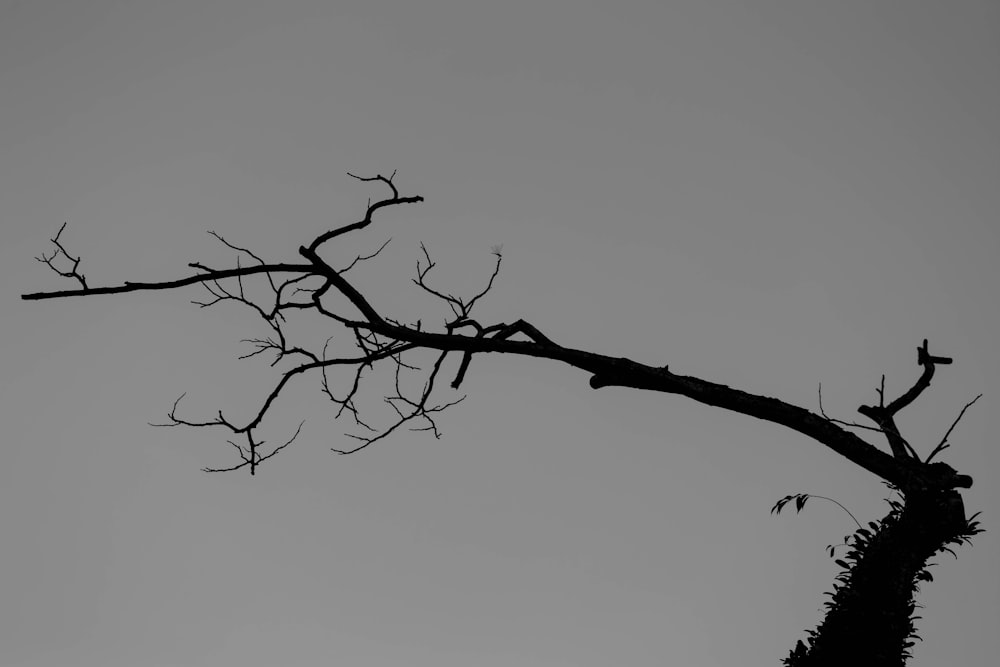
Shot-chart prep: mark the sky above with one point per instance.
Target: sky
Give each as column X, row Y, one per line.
column 770, row 195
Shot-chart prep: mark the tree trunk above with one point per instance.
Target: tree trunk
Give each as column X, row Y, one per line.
column 870, row 617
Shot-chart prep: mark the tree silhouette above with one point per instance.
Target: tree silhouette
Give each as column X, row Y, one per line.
column 870, row 616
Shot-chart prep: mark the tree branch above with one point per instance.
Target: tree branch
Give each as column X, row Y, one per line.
column 379, row 337
column 367, row 220
column 61, row 250
column 172, row 284
column 944, row 444
column 884, row 415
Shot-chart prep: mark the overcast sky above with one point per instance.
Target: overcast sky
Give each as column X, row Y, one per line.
column 765, row 194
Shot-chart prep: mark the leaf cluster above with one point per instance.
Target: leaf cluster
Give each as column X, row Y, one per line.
column 854, row 585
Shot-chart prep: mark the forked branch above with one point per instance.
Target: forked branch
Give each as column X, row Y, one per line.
column 377, row 337
column 884, row 415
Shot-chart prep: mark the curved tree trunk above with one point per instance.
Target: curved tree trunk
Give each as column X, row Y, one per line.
column 870, row 617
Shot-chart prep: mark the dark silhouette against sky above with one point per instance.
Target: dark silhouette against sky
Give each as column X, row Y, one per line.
column 769, row 198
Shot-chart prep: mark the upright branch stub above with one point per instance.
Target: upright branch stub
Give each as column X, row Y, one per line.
column 884, row 415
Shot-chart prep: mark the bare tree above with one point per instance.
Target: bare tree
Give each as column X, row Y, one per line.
column 869, row 617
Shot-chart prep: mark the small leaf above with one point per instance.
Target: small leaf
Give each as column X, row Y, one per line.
column 842, row 564
column 778, row 506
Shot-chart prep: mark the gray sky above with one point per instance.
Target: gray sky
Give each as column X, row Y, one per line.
column 765, row 194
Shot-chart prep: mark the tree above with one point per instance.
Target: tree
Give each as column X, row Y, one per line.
column 870, row 616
